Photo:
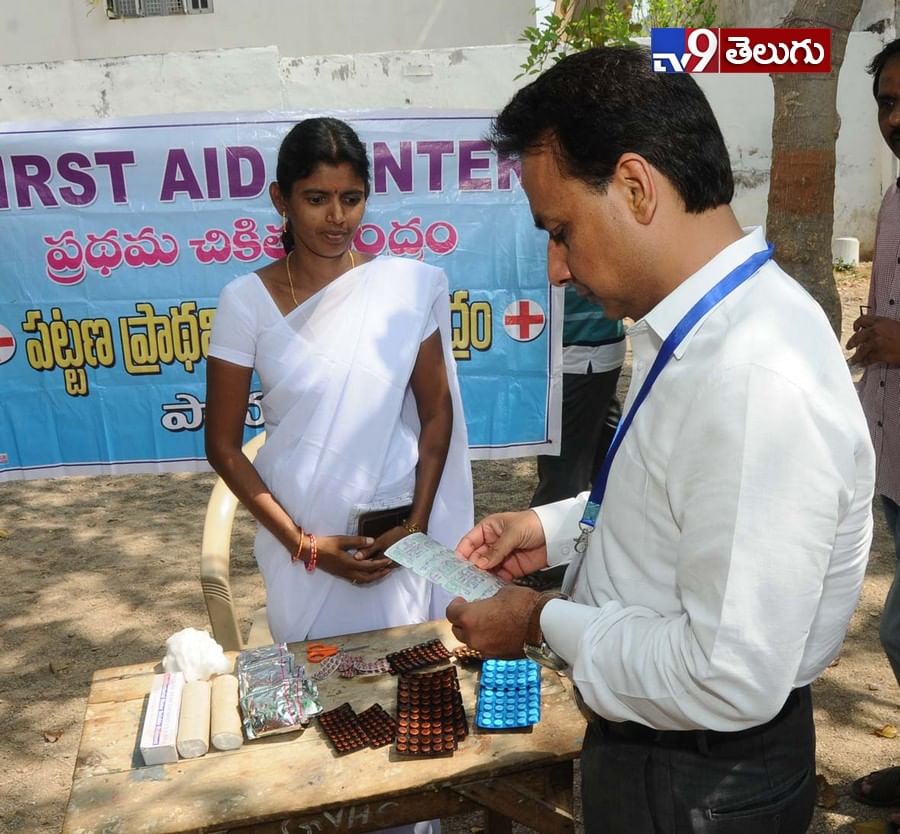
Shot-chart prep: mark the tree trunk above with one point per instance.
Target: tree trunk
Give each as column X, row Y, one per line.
column 804, row 131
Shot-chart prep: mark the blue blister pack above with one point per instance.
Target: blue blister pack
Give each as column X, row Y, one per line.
column 509, row 695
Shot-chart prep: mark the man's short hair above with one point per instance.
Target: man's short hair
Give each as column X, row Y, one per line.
column 596, row 105
column 878, row 63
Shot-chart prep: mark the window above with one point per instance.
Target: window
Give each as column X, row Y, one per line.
column 156, row 8
column 152, row 8
column 122, row 8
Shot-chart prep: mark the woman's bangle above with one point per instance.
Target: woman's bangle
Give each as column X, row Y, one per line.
column 410, row 527
column 297, row 555
column 313, row 553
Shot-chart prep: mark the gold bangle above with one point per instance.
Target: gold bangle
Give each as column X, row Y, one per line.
column 410, row 527
column 297, row 555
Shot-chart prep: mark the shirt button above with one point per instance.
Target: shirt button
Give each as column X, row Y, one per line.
column 879, row 424
column 565, row 550
column 891, row 301
column 881, row 384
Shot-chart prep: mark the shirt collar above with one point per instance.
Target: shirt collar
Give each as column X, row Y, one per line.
column 663, row 318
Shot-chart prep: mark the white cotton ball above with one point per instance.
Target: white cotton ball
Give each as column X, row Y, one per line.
column 194, row 652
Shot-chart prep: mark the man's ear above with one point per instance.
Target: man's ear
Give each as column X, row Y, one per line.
column 638, row 180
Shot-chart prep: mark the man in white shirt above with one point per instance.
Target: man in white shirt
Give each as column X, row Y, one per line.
column 732, row 540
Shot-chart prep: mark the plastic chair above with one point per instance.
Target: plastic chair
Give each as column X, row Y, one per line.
column 215, row 558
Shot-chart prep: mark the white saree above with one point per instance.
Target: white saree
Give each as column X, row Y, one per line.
column 342, row 432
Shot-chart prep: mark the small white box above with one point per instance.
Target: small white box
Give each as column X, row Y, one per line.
column 159, row 733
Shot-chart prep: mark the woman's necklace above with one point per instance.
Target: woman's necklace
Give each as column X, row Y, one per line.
column 287, row 263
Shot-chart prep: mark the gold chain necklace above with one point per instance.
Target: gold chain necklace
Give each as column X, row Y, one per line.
column 287, row 264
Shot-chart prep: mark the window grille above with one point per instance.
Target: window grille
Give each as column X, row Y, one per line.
column 156, row 8
column 123, row 8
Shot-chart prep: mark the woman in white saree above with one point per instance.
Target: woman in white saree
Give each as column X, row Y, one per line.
column 360, row 398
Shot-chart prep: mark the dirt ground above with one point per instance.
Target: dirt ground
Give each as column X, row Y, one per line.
column 100, row 571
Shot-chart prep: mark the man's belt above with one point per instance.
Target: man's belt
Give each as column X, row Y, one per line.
column 702, row 740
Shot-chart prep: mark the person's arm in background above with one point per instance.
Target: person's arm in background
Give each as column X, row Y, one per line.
column 434, row 407
column 875, row 339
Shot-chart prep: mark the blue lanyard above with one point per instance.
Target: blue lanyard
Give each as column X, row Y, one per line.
column 730, row 282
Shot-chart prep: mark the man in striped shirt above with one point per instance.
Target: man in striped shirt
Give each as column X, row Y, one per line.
column 593, row 353
column 876, row 339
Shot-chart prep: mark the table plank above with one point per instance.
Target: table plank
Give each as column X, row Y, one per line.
column 509, row 799
column 296, row 774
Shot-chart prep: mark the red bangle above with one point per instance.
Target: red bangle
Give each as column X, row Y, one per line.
column 313, row 553
column 296, row 556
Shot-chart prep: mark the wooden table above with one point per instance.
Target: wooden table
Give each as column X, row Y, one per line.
column 295, row 783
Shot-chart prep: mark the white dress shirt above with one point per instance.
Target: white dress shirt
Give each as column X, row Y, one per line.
column 593, row 359
column 736, row 526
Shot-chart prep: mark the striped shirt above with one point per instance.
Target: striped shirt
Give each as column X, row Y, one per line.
column 879, row 388
column 592, row 343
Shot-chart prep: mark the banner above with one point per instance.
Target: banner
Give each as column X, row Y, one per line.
column 118, row 236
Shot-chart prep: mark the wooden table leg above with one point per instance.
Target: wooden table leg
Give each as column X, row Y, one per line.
column 559, row 785
column 495, row 823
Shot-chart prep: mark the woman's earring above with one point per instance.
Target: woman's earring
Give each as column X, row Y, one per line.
column 284, row 223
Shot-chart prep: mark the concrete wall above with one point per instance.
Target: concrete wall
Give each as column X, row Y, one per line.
column 56, row 30
column 480, row 77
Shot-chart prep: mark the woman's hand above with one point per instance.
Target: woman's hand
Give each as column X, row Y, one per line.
column 383, row 542
column 354, row 567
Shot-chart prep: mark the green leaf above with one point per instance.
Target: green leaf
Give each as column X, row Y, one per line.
column 600, row 22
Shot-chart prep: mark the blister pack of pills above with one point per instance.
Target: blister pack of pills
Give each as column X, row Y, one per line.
column 429, row 558
column 341, row 726
column 348, row 731
column 431, row 719
column 509, row 695
column 407, row 660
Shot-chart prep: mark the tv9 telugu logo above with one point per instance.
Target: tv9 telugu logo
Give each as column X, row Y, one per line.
column 740, row 50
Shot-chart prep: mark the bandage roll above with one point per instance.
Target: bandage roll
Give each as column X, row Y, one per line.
column 193, row 726
column 225, row 724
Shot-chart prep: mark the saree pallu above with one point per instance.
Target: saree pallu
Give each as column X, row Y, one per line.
column 342, row 432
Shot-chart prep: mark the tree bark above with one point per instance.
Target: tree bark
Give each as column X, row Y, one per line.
column 805, row 128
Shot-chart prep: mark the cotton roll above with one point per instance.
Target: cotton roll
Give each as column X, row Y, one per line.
column 225, row 724
column 193, row 726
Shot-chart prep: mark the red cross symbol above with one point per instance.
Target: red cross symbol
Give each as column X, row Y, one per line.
column 524, row 320
column 7, row 345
